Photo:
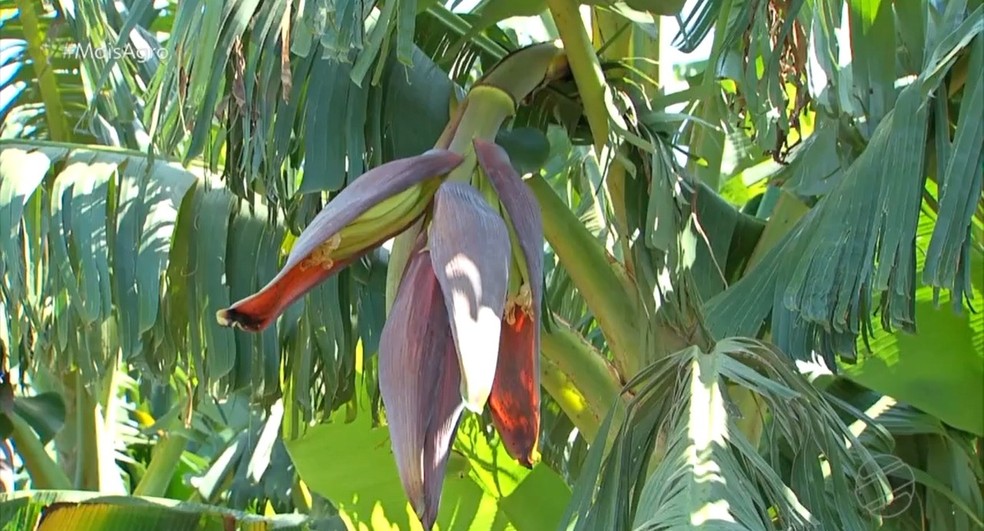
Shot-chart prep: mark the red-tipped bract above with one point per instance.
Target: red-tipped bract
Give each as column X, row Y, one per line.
column 515, row 398
column 456, row 337
column 304, row 268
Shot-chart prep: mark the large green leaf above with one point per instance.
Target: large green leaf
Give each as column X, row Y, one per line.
column 105, row 245
column 61, row 510
column 99, row 237
column 484, row 487
column 705, row 473
column 938, row 488
column 940, row 368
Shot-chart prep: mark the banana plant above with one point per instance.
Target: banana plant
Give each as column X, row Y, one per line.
column 701, row 435
column 464, row 329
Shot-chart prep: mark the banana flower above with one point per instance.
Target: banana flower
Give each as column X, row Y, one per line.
column 464, row 329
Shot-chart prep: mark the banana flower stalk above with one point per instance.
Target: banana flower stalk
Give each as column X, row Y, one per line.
column 464, row 329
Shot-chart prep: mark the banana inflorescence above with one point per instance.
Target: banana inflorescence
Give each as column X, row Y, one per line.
column 387, row 217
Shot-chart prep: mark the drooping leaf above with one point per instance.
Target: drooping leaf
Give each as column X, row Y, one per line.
column 939, row 369
column 823, row 276
column 22, row 173
column 706, row 465
column 947, row 263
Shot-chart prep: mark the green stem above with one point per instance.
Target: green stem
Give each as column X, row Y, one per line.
column 487, row 105
column 578, row 377
column 54, row 113
column 615, row 184
column 706, row 143
column 107, row 395
column 548, row 24
column 88, row 426
column 585, row 67
column 44, row 472
column 524, row 70
column 485, row 110
column 163, row 463
column 96, row 459
column 613, row 43
column 788, row 210
column 645, row 47
column 588, row 265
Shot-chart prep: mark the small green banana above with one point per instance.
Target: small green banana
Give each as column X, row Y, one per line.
column 385, row 218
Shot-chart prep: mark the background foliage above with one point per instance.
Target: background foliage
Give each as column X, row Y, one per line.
column 763, row 272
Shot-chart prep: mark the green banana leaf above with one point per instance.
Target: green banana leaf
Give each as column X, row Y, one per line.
column 939, row 369
column 69, row 510
column 351, row 464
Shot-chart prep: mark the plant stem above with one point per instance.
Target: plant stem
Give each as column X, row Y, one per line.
column 578, row 377
column 615, row 185
column 524, row 70
column 588, row 265
column 88, row 437
column 54, row 113
column 96, row 453
column 585, row 67
column 163, row 462
column 485, row 109
column 44, row 472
